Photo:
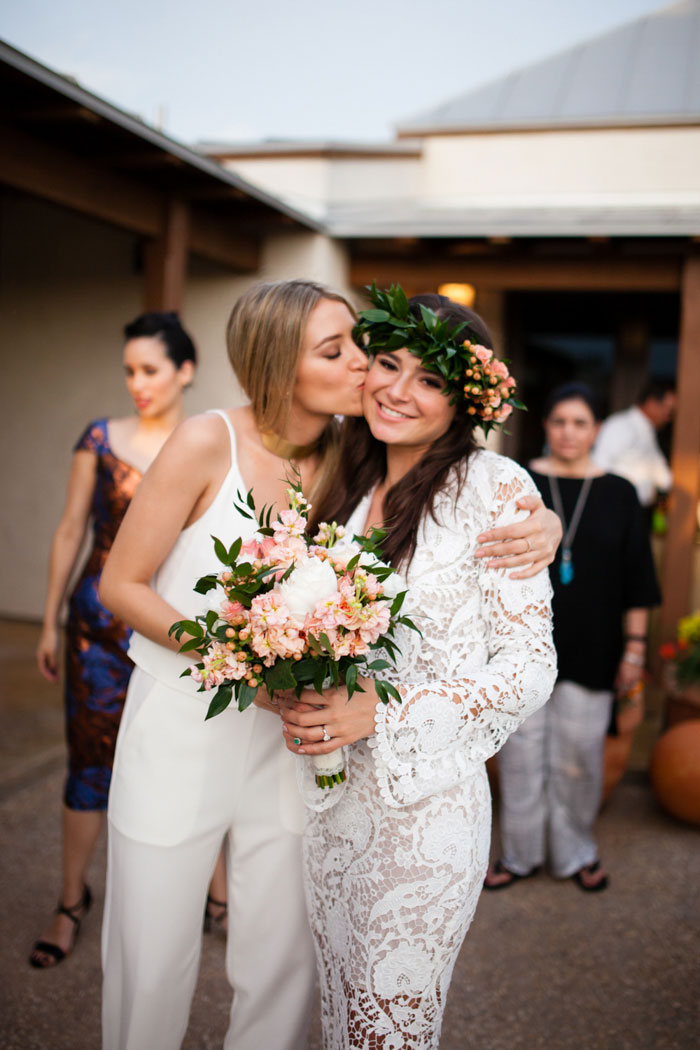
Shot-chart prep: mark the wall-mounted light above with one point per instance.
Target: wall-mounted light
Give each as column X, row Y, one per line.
column 464, row 294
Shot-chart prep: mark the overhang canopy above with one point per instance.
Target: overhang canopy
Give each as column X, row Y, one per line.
column 66, row 145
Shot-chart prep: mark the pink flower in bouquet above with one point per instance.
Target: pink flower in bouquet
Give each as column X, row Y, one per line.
column 284, row 551
column 220, row 665
column 483, row 354
column 276, row 643
column 375, row 621
column 503, row 413
column 268, row 610
column 233, row 613
column 499, row 369
column 290, row 523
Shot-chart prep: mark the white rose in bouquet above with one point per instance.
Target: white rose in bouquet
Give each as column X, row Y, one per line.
column 311, row 581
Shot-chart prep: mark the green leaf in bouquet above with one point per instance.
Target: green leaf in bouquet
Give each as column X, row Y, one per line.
column 188, row 647
column 322, row 672
column 241, row 502
column 335, row 673
column 351, row 679
column 354, row 561
column 220, row 550
column 304, row 671
column 280, row 676
column 378, row 665
column 270, row 570
column 287, row 573
column 220, row 701
column 265, row 530
column 240, row 594
column 206, row 584
column 313, row 643
column 245, row 694
column 211, row 618
column 187, row 627
column 408, row 622
column 326, row 644
column 186, row 673
column 234, row 550
column 392, row 691
column 381, row 692
column 249, row 499
column 398, row 602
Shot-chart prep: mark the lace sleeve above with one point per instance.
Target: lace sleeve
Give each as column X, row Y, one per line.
column 504, row 667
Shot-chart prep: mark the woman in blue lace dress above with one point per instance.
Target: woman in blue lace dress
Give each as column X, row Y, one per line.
column 109, row 460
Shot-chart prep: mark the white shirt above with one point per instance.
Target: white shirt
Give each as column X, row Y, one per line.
column 627, row 446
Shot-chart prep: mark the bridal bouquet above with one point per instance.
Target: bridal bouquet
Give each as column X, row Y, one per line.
column 289, row 612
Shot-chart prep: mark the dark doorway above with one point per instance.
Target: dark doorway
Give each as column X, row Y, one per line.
column 612, row 341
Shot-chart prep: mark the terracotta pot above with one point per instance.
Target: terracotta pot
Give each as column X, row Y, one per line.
column 675, row 770
column 682, row 703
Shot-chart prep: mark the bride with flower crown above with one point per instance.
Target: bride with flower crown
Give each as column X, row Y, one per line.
column 395, row 857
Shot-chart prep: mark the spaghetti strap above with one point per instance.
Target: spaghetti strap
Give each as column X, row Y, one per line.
column 231, row 432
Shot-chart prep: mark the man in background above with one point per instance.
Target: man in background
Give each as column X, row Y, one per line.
column 627, row 444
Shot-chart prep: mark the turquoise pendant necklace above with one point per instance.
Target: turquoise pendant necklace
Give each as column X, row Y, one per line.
column 566, row 565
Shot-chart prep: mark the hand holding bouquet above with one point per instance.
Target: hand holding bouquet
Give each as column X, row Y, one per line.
column 289, row 612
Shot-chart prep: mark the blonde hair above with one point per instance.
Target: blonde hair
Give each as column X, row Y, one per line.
column 265, row 339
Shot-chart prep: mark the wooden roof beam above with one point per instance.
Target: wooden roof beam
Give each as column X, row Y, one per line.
column 523, row 273
column 53, row 174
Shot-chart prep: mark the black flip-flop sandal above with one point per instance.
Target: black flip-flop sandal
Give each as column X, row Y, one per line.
column 591, row 869
column 499, row 868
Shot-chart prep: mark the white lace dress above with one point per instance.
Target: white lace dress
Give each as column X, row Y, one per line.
column 395, row 858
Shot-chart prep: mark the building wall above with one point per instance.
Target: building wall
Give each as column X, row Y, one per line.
column 311, row 183
column 302, row 182
column 67, row 287
column 643, row 163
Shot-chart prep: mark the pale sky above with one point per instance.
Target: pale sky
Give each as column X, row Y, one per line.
column 302, row 69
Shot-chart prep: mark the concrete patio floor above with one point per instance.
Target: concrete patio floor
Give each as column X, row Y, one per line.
column 544, row 965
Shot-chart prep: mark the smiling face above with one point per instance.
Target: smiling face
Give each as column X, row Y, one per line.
column 153, row 380
column 571, row 430
column 403, row 403
column 331, row 370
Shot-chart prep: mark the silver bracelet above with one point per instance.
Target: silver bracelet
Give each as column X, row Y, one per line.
column 634, row 658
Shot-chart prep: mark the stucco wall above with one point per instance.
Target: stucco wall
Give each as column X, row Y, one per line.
column 311, row 183
column 67, row 286
column 644, row 163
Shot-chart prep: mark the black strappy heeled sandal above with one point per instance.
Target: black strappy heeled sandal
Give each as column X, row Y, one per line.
column 53, row 951
column 215, row 923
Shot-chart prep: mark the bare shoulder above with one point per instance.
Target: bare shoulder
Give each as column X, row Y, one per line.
column 205, row 434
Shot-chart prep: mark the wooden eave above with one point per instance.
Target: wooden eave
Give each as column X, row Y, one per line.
column 65, row 145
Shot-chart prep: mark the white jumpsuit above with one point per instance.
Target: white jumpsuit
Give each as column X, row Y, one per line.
column 179, row 785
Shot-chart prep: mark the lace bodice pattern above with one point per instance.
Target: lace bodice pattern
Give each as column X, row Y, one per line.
column 395, row 858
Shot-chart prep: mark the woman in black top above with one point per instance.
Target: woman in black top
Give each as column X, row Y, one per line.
column 551, row 769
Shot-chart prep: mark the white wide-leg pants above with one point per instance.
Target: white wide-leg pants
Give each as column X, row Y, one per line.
column 156, row 891
column 550, row 779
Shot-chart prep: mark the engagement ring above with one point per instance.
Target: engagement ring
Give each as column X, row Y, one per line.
column 326, row 734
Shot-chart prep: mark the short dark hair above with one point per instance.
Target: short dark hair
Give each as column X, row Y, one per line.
column 167, row 327
column 573, row 392
column 656, row 390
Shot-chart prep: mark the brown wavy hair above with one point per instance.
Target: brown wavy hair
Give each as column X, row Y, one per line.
column 363, row 459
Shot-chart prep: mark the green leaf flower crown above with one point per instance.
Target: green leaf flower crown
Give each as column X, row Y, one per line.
column 472, row 375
